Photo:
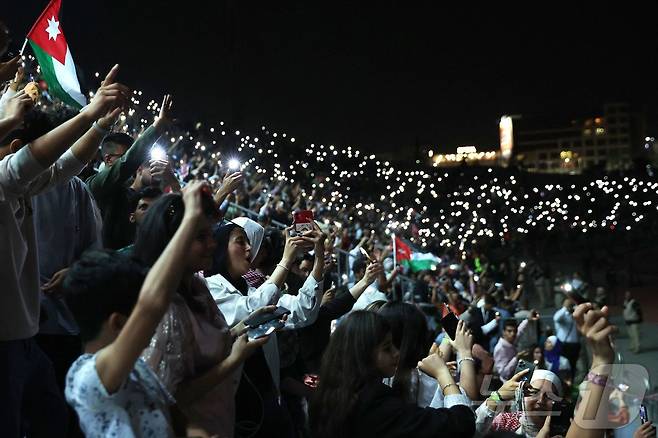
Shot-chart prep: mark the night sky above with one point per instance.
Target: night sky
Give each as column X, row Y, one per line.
column 376, row 75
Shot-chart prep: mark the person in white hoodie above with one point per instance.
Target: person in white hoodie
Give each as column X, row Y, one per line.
column 236, row 299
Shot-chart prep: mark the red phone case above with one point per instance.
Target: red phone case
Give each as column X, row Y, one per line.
column 303, row 221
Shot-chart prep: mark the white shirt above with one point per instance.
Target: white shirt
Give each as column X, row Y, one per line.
column 21, row 177
column 565, row 326
column 139, row 408
column 425, row 389
column 304, row 308
column 370, row 295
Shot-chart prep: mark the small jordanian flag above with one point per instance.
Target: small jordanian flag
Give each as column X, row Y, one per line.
column 54, row 56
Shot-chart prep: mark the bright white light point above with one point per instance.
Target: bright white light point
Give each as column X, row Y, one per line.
column 233, row 164
column 158, row 153
column 237, row 132
column 292, row 139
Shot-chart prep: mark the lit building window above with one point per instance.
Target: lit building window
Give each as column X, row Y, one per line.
column 600, row 131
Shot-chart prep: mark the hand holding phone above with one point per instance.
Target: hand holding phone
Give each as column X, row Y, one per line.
column 264, row 329
column 264, row 317
column 644, row 417
column 449, row 323
column 365, row 253
column 523, row 365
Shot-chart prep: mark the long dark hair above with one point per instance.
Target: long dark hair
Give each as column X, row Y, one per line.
column 347, row 365
column 158, row 227
column 411, row 337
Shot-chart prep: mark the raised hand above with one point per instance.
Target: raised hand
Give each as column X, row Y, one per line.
column 8, row 69
column 463, row 342
column 231, row 182
column 18, row 106
column 432, row 365
column 508, row 389
column 328, row 295
column 594, row 326
column 372, row 272
column 294, row 246
column 162, row 171
column 18, row 79
column 109, row 96
column 647, row 430
column 192, row 198
column 165, row 112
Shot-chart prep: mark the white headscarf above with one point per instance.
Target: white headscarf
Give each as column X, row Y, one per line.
column 254, row 231
column 547, row 375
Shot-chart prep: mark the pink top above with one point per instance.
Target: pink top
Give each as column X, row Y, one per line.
column 188, row 343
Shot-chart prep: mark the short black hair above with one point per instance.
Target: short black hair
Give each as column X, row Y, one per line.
column 359, row 265
column 36, row 124
column 148, row 192
column 490, row 299
column 116, row 138
column 509, row 323
column 102, row 282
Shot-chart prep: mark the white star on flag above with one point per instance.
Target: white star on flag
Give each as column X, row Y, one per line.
column 53, row 29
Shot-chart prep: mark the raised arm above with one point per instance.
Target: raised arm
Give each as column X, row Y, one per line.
column 124, row 169
column 591, row 413
column 465, row 363
column 49, row 147
column 115, row 362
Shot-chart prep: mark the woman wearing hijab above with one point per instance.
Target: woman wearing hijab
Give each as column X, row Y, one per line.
column 235, row 299
column 532, row 401
column 553, row 359
column 255, row 277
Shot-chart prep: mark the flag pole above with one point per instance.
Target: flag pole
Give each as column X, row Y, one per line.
column 395, row 262
column 23, row 48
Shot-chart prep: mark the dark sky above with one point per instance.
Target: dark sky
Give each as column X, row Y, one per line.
column 377, row 75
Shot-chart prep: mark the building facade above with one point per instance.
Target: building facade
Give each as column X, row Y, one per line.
column 608, row 142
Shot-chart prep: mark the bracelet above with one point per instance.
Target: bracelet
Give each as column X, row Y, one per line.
column 597, row 379
column 447, row 385
column 281, row 266
column 98, row 128
column 459, row 362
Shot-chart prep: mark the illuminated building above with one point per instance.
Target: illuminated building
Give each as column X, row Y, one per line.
column 464, row 155
column 607, row 142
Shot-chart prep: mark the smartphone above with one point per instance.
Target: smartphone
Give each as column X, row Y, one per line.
column 449, row 323
column 365, row 253
column 643, row 414
column 263, row 318
column 576, row 297
column 303, row 221
column 524, row 365
column 264, row 329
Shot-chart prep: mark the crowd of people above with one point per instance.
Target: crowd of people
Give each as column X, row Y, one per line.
column 154, row 286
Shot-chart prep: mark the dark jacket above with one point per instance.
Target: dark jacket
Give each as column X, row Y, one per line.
column 112, row 195
column 315, row 338
column 379, row 413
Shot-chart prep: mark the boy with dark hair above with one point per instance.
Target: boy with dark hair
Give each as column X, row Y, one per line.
column 123, row 158
column 506, row 355
column 143, row 200
column 114, row 392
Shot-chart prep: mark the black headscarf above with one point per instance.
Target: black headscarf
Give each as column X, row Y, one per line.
column 221, row 234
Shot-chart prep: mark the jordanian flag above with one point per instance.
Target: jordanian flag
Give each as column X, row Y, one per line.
column 54, row 56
